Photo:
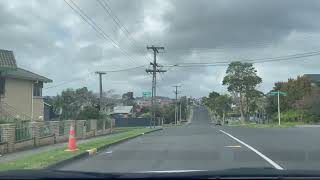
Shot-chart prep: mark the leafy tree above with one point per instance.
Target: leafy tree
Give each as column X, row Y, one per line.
column 241, row 79
column 223, row 105
column 167, row 112
column 210, row 101
column 89, row 113
column 253, row 97
column 219, row 104
column 184, row 103
column 70, row 102
column 296, row 89
column 310, row 105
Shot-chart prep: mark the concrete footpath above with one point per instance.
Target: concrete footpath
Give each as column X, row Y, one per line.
column 18, row 154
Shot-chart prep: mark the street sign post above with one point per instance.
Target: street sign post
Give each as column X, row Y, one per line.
column 146, row 94
column 278, row 93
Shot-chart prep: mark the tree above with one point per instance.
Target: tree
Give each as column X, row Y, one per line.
column 219, row 104
column 241, row 78
column 296, row 89
column 223, row 105
column 89, row 113
column 253, row 97
column 210, row 101
column 310, row 105
column 69, row 104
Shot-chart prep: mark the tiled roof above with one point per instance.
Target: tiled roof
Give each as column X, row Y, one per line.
column 27, row 75
column 122, row 109
column 7, row 60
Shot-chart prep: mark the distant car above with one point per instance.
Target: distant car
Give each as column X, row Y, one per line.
column 218, row 123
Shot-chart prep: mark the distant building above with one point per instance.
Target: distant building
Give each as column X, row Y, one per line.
column 122, row 111
column 146, row 101
column 143, row 101
column 313, row 78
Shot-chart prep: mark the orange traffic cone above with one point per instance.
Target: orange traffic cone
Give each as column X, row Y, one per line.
column 72, row 140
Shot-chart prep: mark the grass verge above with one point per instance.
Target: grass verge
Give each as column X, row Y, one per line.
column 271, row 125
column 44, row 159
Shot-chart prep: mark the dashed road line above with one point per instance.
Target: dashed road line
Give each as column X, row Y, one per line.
column 235, row 146
column 274, row 164
column 108, row 152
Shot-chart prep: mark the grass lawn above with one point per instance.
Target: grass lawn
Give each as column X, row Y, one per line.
column 271, row 125
column 44, row 159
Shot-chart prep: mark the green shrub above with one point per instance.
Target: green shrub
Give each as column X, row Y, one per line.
column 89, row 113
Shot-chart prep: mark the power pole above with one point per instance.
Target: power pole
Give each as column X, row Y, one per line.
column 176, row 107
column 279, row 107
column 100, row 86
column 154, row 72
column 180, row 112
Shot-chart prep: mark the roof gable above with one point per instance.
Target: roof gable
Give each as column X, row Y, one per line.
column 27, row 75
column 7, row 60
column 122, row 109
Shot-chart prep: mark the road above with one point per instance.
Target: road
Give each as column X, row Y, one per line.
column 203, row 146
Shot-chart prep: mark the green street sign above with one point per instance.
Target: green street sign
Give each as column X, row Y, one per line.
column 283, row 93
column 280, row 93
column 146, row 94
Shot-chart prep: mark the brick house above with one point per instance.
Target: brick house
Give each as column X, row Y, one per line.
column 20, row 90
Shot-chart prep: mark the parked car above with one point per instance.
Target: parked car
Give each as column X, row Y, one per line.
column 218, row 123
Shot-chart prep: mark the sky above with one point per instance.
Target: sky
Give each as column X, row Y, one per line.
column 50, row 39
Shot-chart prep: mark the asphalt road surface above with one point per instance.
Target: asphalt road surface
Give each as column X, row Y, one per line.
column 203, row 146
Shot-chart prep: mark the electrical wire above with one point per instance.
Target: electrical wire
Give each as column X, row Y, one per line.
column 96, row 27
column 78, row 79
column 107, row 9
column 255, row 61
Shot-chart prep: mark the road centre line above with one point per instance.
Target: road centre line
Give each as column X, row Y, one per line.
column 275, row 165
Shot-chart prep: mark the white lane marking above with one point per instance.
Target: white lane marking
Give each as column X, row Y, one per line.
column 275, row 165
column 234, row 146
column 108, row 152
column 170, row 171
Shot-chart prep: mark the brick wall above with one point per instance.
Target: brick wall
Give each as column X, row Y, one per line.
column 8, row 143
column 46, row 140
column 3, row 147
column 60, row 139
column 24, row 145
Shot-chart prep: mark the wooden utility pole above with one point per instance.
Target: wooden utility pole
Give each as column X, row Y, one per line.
column 100, row 86
column 176, row 106
column 154, row 72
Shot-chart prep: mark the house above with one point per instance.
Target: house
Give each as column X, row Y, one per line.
column 313, row 78
column 160, row 100
column 143, row 101
column 20, row 90
column 122, row 111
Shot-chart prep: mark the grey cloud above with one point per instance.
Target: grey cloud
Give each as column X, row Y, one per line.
column 33, row 30
column 209, row 24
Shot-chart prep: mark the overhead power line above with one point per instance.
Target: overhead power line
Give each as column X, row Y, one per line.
column 255, row 61
column 107, row 9
column 232, row 45
column 96, row 27
column 126, row 69
column 78, row 79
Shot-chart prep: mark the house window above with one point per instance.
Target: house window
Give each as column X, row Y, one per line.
column 2, row 85
column 37, row 89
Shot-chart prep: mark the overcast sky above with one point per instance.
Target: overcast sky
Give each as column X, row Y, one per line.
column 48, row 38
